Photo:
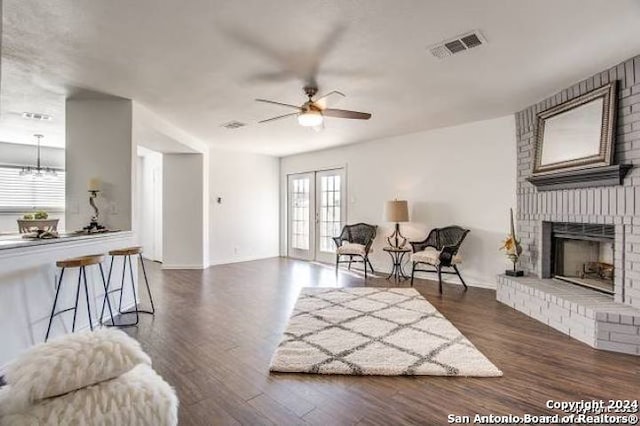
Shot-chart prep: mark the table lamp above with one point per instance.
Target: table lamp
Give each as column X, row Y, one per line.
column 396, row 211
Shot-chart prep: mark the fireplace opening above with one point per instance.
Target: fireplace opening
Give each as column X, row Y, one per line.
column 582, row 254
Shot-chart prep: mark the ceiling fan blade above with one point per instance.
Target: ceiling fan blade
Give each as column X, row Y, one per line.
column 266, row 101
column 343, row 113
column 278, row 117
column 271, row 77
column 329, row 99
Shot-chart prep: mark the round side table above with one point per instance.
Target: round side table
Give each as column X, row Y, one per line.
column 397, row 255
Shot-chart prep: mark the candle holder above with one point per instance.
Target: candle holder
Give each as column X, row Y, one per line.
column 94, row 225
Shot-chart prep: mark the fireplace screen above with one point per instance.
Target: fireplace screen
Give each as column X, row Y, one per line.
column 583, row 255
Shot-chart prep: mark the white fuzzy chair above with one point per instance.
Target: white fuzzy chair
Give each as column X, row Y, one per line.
column 92, row 378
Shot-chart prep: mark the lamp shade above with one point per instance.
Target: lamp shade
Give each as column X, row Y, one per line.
column 94, row 184
column 396, row 211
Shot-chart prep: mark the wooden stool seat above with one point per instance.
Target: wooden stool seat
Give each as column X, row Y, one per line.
column 78, row 262
column 128, row 251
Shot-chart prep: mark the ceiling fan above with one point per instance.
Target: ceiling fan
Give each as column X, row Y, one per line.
column 312, row 112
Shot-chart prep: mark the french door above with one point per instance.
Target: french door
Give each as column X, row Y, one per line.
column 316, row 213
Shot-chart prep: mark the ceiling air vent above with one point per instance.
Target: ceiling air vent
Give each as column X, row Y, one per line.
column 457, row 44
column 37, row 116
column 233, row 125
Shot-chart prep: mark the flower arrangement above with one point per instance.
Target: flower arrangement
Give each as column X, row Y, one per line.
column 38, row 215
column 37, row 221
column 512, row 248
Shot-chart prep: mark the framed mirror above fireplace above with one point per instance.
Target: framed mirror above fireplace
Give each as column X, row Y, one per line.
column 583, row 254
column 578, row 133
column 574, row 143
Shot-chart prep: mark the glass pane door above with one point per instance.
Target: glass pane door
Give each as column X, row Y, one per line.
column 316, row 214
column 300, row 213
column 330, row 215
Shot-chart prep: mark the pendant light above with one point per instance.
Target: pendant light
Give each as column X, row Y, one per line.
column 38, row 171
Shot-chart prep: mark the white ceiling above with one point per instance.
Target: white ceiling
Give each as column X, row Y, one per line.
column 200, row 63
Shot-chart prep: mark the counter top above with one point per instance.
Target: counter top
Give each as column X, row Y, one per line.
column 16, row 241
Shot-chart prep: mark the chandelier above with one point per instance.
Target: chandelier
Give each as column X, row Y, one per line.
column 38, row 171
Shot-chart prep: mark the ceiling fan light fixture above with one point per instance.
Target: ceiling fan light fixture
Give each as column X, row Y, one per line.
column 310, row 118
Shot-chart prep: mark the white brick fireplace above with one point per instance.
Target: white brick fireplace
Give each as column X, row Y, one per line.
column 604, row 321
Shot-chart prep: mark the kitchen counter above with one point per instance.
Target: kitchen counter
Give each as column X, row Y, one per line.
column 28, row 278
column 16, row 241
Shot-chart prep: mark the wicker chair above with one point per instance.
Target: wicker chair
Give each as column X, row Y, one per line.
column 440, row 250
column 355, row 241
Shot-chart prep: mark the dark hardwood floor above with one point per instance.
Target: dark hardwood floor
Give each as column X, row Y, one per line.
column 215, row 332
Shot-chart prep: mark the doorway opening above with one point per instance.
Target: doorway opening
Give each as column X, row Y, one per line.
column 149, row 190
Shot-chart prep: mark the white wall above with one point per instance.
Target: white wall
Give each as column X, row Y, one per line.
column 153, row 133
column 460, row 175
column 244, row 226
column 99, row 144
column 183, row 228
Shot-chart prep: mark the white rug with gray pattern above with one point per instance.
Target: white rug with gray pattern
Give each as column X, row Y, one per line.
column 376, row 331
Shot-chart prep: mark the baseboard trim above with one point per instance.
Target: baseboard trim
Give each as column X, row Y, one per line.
column 165, row 266
column 455, row 280
column 382, row 272
column 241, row 260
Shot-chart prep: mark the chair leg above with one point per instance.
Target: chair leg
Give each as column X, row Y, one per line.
column 370, row 265
column 124, row 269
column 413, row 272
column 455, row 268
column 350, row 260
column 364, row 262
column 75, row 309
column 439, row 278
column 55, row 302
column 133, row 289
column 146, row 281
column 86, row 293
column 106, row 298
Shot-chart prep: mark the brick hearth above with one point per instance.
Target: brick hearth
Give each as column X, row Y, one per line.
column 584, row 314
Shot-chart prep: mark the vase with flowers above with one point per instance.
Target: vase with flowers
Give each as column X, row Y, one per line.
column 513, row 249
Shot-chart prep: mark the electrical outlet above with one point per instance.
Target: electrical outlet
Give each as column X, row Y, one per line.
column 235, row 250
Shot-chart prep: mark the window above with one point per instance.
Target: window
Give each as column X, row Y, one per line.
column 300, row 214
column 330, row 216
column 20, row 193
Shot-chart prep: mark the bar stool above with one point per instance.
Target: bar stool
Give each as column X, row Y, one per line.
column 126, row 254
column 81, row 263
